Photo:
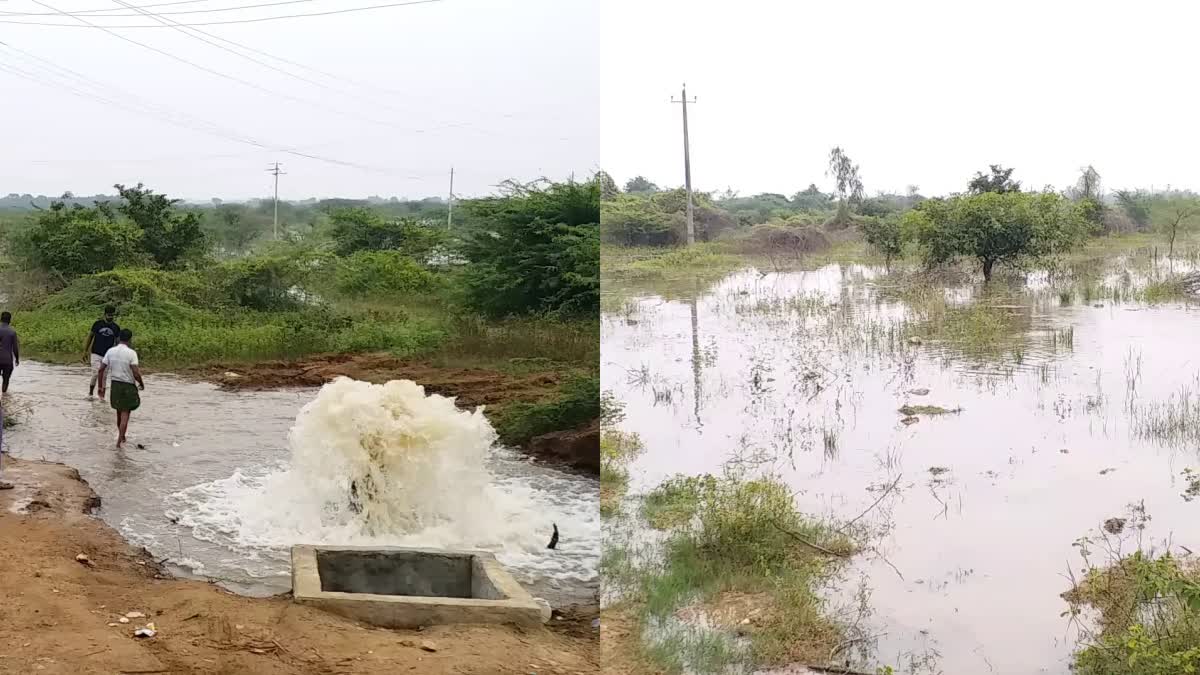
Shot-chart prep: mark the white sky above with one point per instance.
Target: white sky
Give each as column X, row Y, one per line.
column 923, row 92
column 521, row 75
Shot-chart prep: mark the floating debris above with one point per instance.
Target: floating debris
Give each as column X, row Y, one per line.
column 939, row 470
column 910, row 420
column 919, row 392
column 1104, row 472
column 911, row 410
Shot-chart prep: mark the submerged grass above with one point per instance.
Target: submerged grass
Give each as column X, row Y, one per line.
column 726, row 535
column 1149, row 617
column 617, row 448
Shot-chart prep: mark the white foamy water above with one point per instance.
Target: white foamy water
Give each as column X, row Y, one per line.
column 425, row 474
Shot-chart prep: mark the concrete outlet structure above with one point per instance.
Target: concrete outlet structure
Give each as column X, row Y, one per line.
column 396, row 587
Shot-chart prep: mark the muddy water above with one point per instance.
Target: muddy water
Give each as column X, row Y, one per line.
column 196, row 435
column 974, row 546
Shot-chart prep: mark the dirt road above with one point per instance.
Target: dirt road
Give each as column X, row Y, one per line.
column 55, row 612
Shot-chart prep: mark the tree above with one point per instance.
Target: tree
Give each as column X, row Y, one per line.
column 1089, row 194
column 362, row 229
column 633, row 220
column 999, row 180
column 233, row 230
column 608, row 186
column 995, row 227
column 1175, row 214
column 167, row 236
column 640, row 184
column 1136, row 205
column 536, row 252
column 74, row 241
column 847, row 185
column 811, row 199
column 885, row 236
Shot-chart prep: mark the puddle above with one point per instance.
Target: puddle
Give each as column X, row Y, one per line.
column 1061, row 427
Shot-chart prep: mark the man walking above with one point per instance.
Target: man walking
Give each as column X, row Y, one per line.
column 10, row 353
column 100, row 339
column 121, row 362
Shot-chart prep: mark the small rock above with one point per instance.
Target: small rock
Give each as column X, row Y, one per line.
column 123, row 620
column 746, row 621
column 146, row 632
column 84, row 560
column 910, row 420
column 113, row 625
column 232, row 375
column 134, row 615
column 428, row 646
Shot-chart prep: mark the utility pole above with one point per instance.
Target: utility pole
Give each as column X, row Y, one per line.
column 277, row 173
column 687, row 166
column 450, row 204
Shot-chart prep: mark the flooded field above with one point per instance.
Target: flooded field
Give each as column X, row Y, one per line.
column 978, row 434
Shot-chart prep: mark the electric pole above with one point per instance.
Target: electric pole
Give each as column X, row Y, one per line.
column 687, row 166
column 277, row 173
column 450, row 204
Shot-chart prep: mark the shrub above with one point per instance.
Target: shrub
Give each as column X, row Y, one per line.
column 376, row 272
column 577, row 403
column 360, row 229
column 536, row 252
column 74, row 241
column 263, row 283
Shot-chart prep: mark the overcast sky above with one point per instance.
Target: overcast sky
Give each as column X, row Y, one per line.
column 496, row 89
column 920, row 92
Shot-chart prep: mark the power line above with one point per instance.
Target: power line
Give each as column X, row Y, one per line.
column 192, row 33
column 186, row 11
column 149, row 110
column 226, row 76
column 220, row 23
column 108, row 9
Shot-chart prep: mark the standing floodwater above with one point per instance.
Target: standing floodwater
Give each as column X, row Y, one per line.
column 225, row 483
column 1023, row 419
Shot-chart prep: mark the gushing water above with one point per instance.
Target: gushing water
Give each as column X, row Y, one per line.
column 389, row 465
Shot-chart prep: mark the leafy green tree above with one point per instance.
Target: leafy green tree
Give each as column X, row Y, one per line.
column 76, row 240
column 998, row 180
column 1175, row 214
column 1136, row 205
column 811, row 199
column 1089, row 194
column 362, row 229
column 995, row 227
column 886, row 236
column 640, row 184
column 168, row 236
column 233, row 230
column 847, row 184
column 635, row 220
column 608, row 186
column 536, row 251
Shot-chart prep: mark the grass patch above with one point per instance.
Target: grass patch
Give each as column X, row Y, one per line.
column 673, row 503
column 737, row 536
column 1166, row 290
column 910, row 410
column 1149, row 617
column 576, row 403
column 617, row 448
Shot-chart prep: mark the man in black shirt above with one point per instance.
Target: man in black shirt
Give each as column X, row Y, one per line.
column 100, row 339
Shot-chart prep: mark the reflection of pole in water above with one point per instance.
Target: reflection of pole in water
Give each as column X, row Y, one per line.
column 696, row 361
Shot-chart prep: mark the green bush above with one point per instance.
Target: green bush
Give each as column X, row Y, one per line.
column 578, row 402
column 377, row 272
column 263, row 283
column 74, row 241
column 536, row 252
column 360, row 229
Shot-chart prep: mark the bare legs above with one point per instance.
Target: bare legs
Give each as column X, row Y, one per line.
column 122, row 426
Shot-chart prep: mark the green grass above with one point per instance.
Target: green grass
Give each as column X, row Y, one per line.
column 1149, row 617
column 730, row 537
column 576, row 403
column 617, row 449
